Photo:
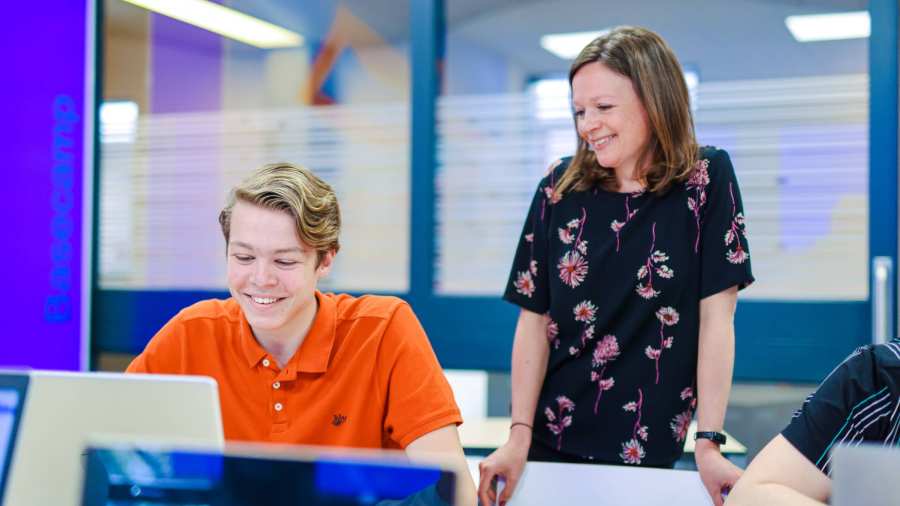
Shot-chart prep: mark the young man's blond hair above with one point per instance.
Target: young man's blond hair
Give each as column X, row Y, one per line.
column 295, row 190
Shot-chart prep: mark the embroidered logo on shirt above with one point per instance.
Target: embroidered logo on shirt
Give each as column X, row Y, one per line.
column 338, row 419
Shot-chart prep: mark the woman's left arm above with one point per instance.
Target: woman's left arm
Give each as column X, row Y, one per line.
column 715, row 363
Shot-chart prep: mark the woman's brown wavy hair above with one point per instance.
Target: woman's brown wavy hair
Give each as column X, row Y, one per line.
column 643, row 57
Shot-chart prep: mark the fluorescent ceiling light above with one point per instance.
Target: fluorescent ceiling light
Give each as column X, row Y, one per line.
column 224, row 21
column 118, row 121
column 838, row 26
column 568, row 45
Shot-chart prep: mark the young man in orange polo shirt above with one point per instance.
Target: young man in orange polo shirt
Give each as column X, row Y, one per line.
column 295, row 365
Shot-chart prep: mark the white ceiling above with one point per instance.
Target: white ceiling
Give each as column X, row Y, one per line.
column 722, row 39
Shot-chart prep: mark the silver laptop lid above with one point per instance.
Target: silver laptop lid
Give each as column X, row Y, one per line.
column 62, row 411
column 865, row 475
column 13, row 388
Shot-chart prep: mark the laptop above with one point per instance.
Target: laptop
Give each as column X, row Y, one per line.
column 12, row 396
column 126, row 475
column 57, row 413
column 865, row 475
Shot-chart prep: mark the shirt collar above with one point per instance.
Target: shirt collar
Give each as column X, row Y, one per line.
column 253, row 351
column 315, row 351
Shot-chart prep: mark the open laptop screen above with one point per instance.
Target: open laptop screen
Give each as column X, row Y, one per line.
column 12, row 396
column 133, row 476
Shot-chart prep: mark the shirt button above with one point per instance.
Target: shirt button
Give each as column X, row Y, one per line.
column 266, row 362
column 278, row 406
column 276, row 385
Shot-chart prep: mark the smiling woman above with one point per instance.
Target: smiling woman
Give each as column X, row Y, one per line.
column 613, row 125
column 623, row 279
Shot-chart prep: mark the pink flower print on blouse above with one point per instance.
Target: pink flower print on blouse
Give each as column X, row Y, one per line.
column 642, row 432
column 557, row 422
column 617, row 225
column 680, row 424
column 524, row 283
column 632, row 451
column 667, row 317
column 653, row 266
column 738, row 254
column 550, row 193
column 553, row 334
column 585, row 312
column 697, row 184
column 573, row 266
column 572, row 232
column 587, row 334
column 682, row 421
column 606, row 351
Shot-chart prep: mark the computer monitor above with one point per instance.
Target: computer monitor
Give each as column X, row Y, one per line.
column 12, row 395
column 63, row 411
column 865, row 475
column 130, row 476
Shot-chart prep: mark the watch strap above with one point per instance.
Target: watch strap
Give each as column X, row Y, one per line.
column 715, row 437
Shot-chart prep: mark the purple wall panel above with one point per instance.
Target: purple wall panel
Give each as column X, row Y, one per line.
column 41, row 138
column 186, row 68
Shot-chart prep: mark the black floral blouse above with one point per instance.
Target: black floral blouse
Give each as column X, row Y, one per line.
column 621, row 276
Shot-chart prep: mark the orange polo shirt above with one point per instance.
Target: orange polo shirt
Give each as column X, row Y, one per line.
column 364, row 376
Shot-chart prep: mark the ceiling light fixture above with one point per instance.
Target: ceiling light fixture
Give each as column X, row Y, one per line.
column 568, row 45
column 224, row 21
column 837, row 26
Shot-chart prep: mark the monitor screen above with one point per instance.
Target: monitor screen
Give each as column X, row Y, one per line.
column 12, row 397
column 132, row 476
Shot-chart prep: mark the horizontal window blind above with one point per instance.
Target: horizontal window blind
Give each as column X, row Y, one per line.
column 799, row 147
column 162, row 188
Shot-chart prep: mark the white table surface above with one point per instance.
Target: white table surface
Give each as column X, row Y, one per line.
column 547, row 483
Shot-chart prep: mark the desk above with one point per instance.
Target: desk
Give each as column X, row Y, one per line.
column 480, row 437
column 545, row 483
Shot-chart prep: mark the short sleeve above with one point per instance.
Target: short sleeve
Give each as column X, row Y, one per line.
column 723, row 247
column 163, row 354
column 527, row 286
column 419, row 399
column 825, row 416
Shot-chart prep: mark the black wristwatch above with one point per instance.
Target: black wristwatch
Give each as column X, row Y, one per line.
column 715, row 437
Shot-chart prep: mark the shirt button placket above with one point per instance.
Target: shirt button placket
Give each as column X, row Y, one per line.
column 279, row 420
column 279, row 417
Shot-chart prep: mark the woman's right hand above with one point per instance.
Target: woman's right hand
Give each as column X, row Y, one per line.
column 507, row 463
